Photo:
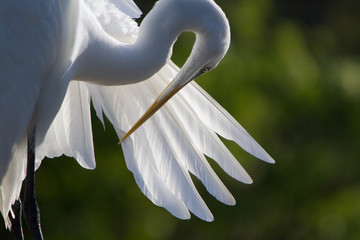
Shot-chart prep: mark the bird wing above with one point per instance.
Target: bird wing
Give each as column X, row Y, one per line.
column 172, row 143
column 70, row 132
column 171, row 146
column 109, row 10
column 116, row 17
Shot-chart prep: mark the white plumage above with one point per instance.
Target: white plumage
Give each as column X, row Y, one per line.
column 161, row 153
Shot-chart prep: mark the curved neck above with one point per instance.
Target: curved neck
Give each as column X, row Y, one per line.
column 106, row 61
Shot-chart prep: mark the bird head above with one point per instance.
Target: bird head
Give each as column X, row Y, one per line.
column 212, row 31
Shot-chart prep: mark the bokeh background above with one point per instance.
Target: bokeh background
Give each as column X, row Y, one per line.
column 291, row 78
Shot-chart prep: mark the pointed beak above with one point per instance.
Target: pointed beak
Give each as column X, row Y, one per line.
column 175, row 86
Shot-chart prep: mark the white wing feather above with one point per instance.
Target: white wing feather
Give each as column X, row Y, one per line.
column 116, row 17
column 173, row 142
column 226, row 126
column 165, row 150
column 70, row 133
column 12, row 181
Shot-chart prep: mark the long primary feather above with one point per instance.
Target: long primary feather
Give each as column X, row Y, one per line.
column 70, row 133
column 165, row 151
column 173, row 142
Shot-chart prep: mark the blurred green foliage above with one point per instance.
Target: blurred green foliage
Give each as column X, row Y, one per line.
column 291, row 78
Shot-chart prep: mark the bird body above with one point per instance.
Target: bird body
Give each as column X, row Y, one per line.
column 57, row 56
column 27, row 57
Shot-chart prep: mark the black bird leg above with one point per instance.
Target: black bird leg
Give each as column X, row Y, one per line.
column 31, row 210
column 16, row 227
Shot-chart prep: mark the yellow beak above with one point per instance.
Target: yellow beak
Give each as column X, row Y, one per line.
column 158, row 103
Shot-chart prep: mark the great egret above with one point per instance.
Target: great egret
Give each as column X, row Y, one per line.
column 56, row 55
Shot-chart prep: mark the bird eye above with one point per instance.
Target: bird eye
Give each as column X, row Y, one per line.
column 205, row 69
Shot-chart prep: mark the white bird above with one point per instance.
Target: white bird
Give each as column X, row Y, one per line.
column 58, row 55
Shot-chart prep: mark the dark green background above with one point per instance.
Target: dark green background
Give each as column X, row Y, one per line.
column 292, row 79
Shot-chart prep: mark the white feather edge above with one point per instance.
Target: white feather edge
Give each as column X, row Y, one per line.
column 12, row 181
column 167, row 155
column 77, row 142
column 70, row 133
column 174, row 140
